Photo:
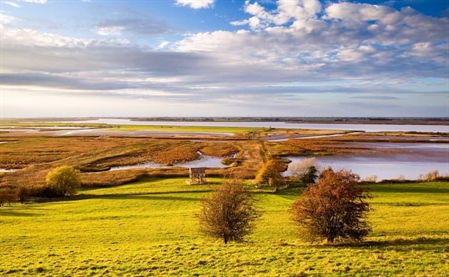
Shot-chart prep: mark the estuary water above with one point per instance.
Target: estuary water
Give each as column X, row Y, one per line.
column 413, row 160
column 340, row 126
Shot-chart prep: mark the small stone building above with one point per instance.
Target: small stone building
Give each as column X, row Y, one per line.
column 197, row 175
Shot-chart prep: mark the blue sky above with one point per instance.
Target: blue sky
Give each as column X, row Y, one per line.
column 71, row 58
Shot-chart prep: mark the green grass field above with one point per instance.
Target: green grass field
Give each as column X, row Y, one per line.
column 150, row 229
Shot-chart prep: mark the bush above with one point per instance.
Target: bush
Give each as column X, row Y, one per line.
column 333, row 208
column 270, row 174
column 430, row 176
column 7, row 195
column 63, row 180
column 229, row 213
column 22, row 193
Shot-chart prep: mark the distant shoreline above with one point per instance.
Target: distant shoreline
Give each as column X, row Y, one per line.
column 305, row 120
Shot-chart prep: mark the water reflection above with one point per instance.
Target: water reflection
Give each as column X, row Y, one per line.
column 413, row 160
column 382, row 168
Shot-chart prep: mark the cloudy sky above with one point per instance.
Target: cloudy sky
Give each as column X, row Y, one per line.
column 63, row 58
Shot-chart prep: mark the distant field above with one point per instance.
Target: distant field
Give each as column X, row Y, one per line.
column 149, row 228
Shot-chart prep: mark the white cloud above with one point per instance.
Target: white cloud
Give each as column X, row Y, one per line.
column 350, row 55
column 254, row 9
column 196, row 4
column 12, row 37
column 288, row 11
column 360, row 12
column 163, row 45
column 240, row 23
column 296, row 50
column 12, row 4
column 345, row 40
column 6, row 19
column 110, row 31
column 36, row 1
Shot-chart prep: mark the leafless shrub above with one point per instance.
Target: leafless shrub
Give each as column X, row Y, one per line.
column 432, row 175
column 370, row 179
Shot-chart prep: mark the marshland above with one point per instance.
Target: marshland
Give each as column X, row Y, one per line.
column 141, row 220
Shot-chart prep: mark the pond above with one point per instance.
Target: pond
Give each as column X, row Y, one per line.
column 413, row 160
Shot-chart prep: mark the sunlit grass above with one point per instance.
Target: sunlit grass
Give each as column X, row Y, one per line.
column 153, row 186
column 409, row 209
column 149, row 229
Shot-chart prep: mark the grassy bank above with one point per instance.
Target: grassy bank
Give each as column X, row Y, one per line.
column 149, row 229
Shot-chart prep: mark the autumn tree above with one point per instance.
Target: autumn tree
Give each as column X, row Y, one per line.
column 333, row 208
column 229, row 213
column 270, row 174
column 63, row 180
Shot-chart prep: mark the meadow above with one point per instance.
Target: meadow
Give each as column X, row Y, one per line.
column 149, row 228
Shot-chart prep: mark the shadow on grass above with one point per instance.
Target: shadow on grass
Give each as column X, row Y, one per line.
column 407, row 188
column 18, row 211
column 148, row 196
column 411, row 241
column 169, row 196
column 14, row 213
column 397, row 242
column 290, row 193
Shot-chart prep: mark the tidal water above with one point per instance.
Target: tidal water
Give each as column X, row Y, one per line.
column 340, row 126
column 413, row 160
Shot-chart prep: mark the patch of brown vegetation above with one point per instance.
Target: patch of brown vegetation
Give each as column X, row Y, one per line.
column 35, row 155
column 221, row 150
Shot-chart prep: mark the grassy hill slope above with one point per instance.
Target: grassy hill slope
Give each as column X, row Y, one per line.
column 149, row 229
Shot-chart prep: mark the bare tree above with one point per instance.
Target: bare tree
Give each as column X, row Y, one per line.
column 333, row 208
column 229, row 213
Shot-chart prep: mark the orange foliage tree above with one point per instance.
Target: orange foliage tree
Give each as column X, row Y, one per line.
column 270, row 174
column 333, row 208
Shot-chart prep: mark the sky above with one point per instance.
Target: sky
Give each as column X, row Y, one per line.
column 193, row 58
